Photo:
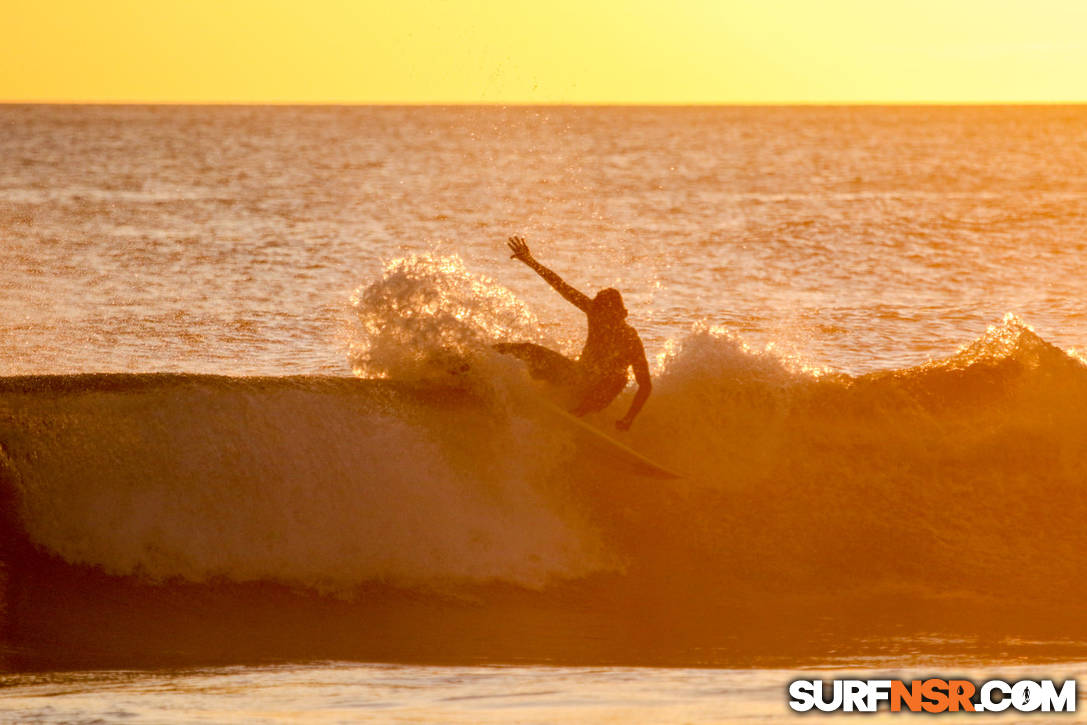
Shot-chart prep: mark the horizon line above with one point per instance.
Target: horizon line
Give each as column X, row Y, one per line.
column 540, row 104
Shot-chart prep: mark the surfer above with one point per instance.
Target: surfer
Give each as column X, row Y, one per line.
column 612, row 346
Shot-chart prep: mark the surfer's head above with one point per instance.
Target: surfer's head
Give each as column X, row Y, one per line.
column 609, row 303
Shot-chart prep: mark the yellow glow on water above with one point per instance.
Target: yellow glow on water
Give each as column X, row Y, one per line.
column 565, row 51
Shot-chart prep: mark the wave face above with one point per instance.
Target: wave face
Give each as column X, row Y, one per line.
column 959, row 481
column 324, row 483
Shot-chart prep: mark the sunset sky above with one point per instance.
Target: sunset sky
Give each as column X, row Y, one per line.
column 545, row 51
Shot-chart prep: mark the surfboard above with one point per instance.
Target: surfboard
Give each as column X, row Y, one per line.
column 618, row 453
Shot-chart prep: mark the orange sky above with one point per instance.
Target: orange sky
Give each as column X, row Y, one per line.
column 546, row 51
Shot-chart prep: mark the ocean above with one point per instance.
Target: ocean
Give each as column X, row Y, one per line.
column 259, row 461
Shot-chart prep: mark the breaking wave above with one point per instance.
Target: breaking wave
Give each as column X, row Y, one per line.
column 958, row 478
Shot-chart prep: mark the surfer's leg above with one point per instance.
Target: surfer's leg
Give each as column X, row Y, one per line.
column 543, row 364
column 600, row 394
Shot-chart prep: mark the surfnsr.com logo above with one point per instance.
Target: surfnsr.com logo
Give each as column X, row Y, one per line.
column 932, row 695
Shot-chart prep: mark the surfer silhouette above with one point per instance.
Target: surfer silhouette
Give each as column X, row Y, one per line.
column 612, row 346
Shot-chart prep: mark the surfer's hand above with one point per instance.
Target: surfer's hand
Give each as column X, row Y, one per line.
column 519, row 248
column 624, row 423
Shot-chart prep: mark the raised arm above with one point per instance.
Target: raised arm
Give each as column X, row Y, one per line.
column 520, row 251
column 645, row 384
